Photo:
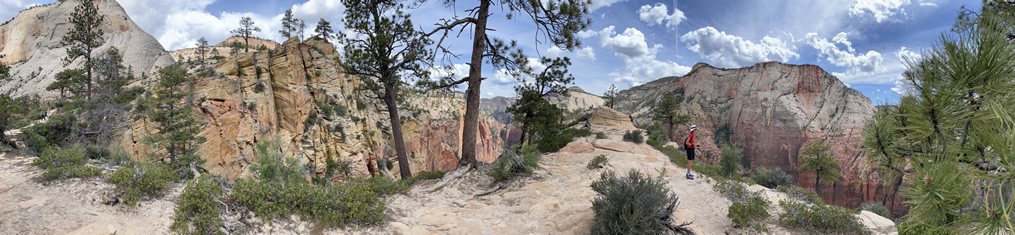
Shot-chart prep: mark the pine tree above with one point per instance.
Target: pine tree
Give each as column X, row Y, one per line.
column 70, row 80
column 176, row 128
column 824, row 165
column 202, row 49
column 110, row 68
column 7, row 107
column 85, row 37
column 610, row 96
column 323, row 30
column 5, row 71
column 288, row 25
column 557, row 20
column 246, row 30
column 665, row 111
column 534, row 112
column 394, row 49
column 948, row 142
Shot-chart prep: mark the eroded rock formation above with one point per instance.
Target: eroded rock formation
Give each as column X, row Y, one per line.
column 770, row 109
column 285, row 92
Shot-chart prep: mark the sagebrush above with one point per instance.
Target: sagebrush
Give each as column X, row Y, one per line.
column 634, row 204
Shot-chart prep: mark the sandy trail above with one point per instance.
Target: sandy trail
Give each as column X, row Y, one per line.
column 72, row 206
column 555, row 200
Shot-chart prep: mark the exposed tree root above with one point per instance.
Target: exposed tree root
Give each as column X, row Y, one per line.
column 491, row 190
column 449, row 178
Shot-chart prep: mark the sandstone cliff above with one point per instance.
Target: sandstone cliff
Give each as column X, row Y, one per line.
column 772, row 110
column 31, row 44
column 577, row 101
column 285, row 92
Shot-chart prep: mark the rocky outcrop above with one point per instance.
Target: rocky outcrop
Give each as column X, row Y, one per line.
column 576, row 101
column 298, row 93
column 31, row 45
column 221, row 49
column 770, row 109
column 254, row 42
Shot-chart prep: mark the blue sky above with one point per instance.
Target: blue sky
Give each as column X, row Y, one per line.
column 630, row 42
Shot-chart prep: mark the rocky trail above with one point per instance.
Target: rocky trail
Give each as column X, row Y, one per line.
column 72, row 206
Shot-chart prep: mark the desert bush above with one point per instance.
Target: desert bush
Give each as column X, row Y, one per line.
column 273, row 165
column 916, row 227
column 748, row 210
column 355, row 202
column 771, row 178
column 325, row 108
column 729, row 161
column 597, row 162
column 876, row 208
column 198, row 211
column 634, row 137
column 551, row 140
column 820, row 218
column 801, row 194
column 749, row 214
column 341, row 110
column 142, row 180
column 657, row 133
column 63, row 164
column 516, row 160
column 600, row 135
column 635, row 204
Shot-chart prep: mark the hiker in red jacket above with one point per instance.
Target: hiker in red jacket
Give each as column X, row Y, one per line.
column 689, row 148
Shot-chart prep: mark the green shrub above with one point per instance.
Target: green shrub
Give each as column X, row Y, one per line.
column 551, row 140
column 325, row 108
column 820, row 218
column 635, row 204
column 142, row 180
column 657, row 133
column 331, row 205
column 273, row 165
column 198, row 211
column 771, row 178
column 128, row 95
column 361, row 106
column 597, row 162
column 634, row 137
column 341, row 110
column 429, row 175
column 916, row 227
column 676, row 156
column 729, row 161
column 748, row 210
column 63, row 164
column 600, row 135
column 749, row 214
column 384, row 186
column 801, row 194
column 515, row 161
column 876, row 208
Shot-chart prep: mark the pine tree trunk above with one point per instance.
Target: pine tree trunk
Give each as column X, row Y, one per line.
column 471, row 126
column 817, row 184
column 396, row 129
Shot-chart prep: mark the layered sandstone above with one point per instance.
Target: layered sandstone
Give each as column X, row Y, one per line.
column 254, row 96
column 31, row 45
column 770, row 109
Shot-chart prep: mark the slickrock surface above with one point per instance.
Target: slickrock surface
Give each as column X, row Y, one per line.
column 31, row 45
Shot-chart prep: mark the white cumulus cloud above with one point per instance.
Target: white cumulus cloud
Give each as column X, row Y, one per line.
column 881, row 10
column 657, row 14
column 596, row 4
column 640, row 63
column 866, row 62
column 728, row 50
column 584, row 52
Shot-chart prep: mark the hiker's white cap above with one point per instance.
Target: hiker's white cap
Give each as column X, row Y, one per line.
column 694, row 127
